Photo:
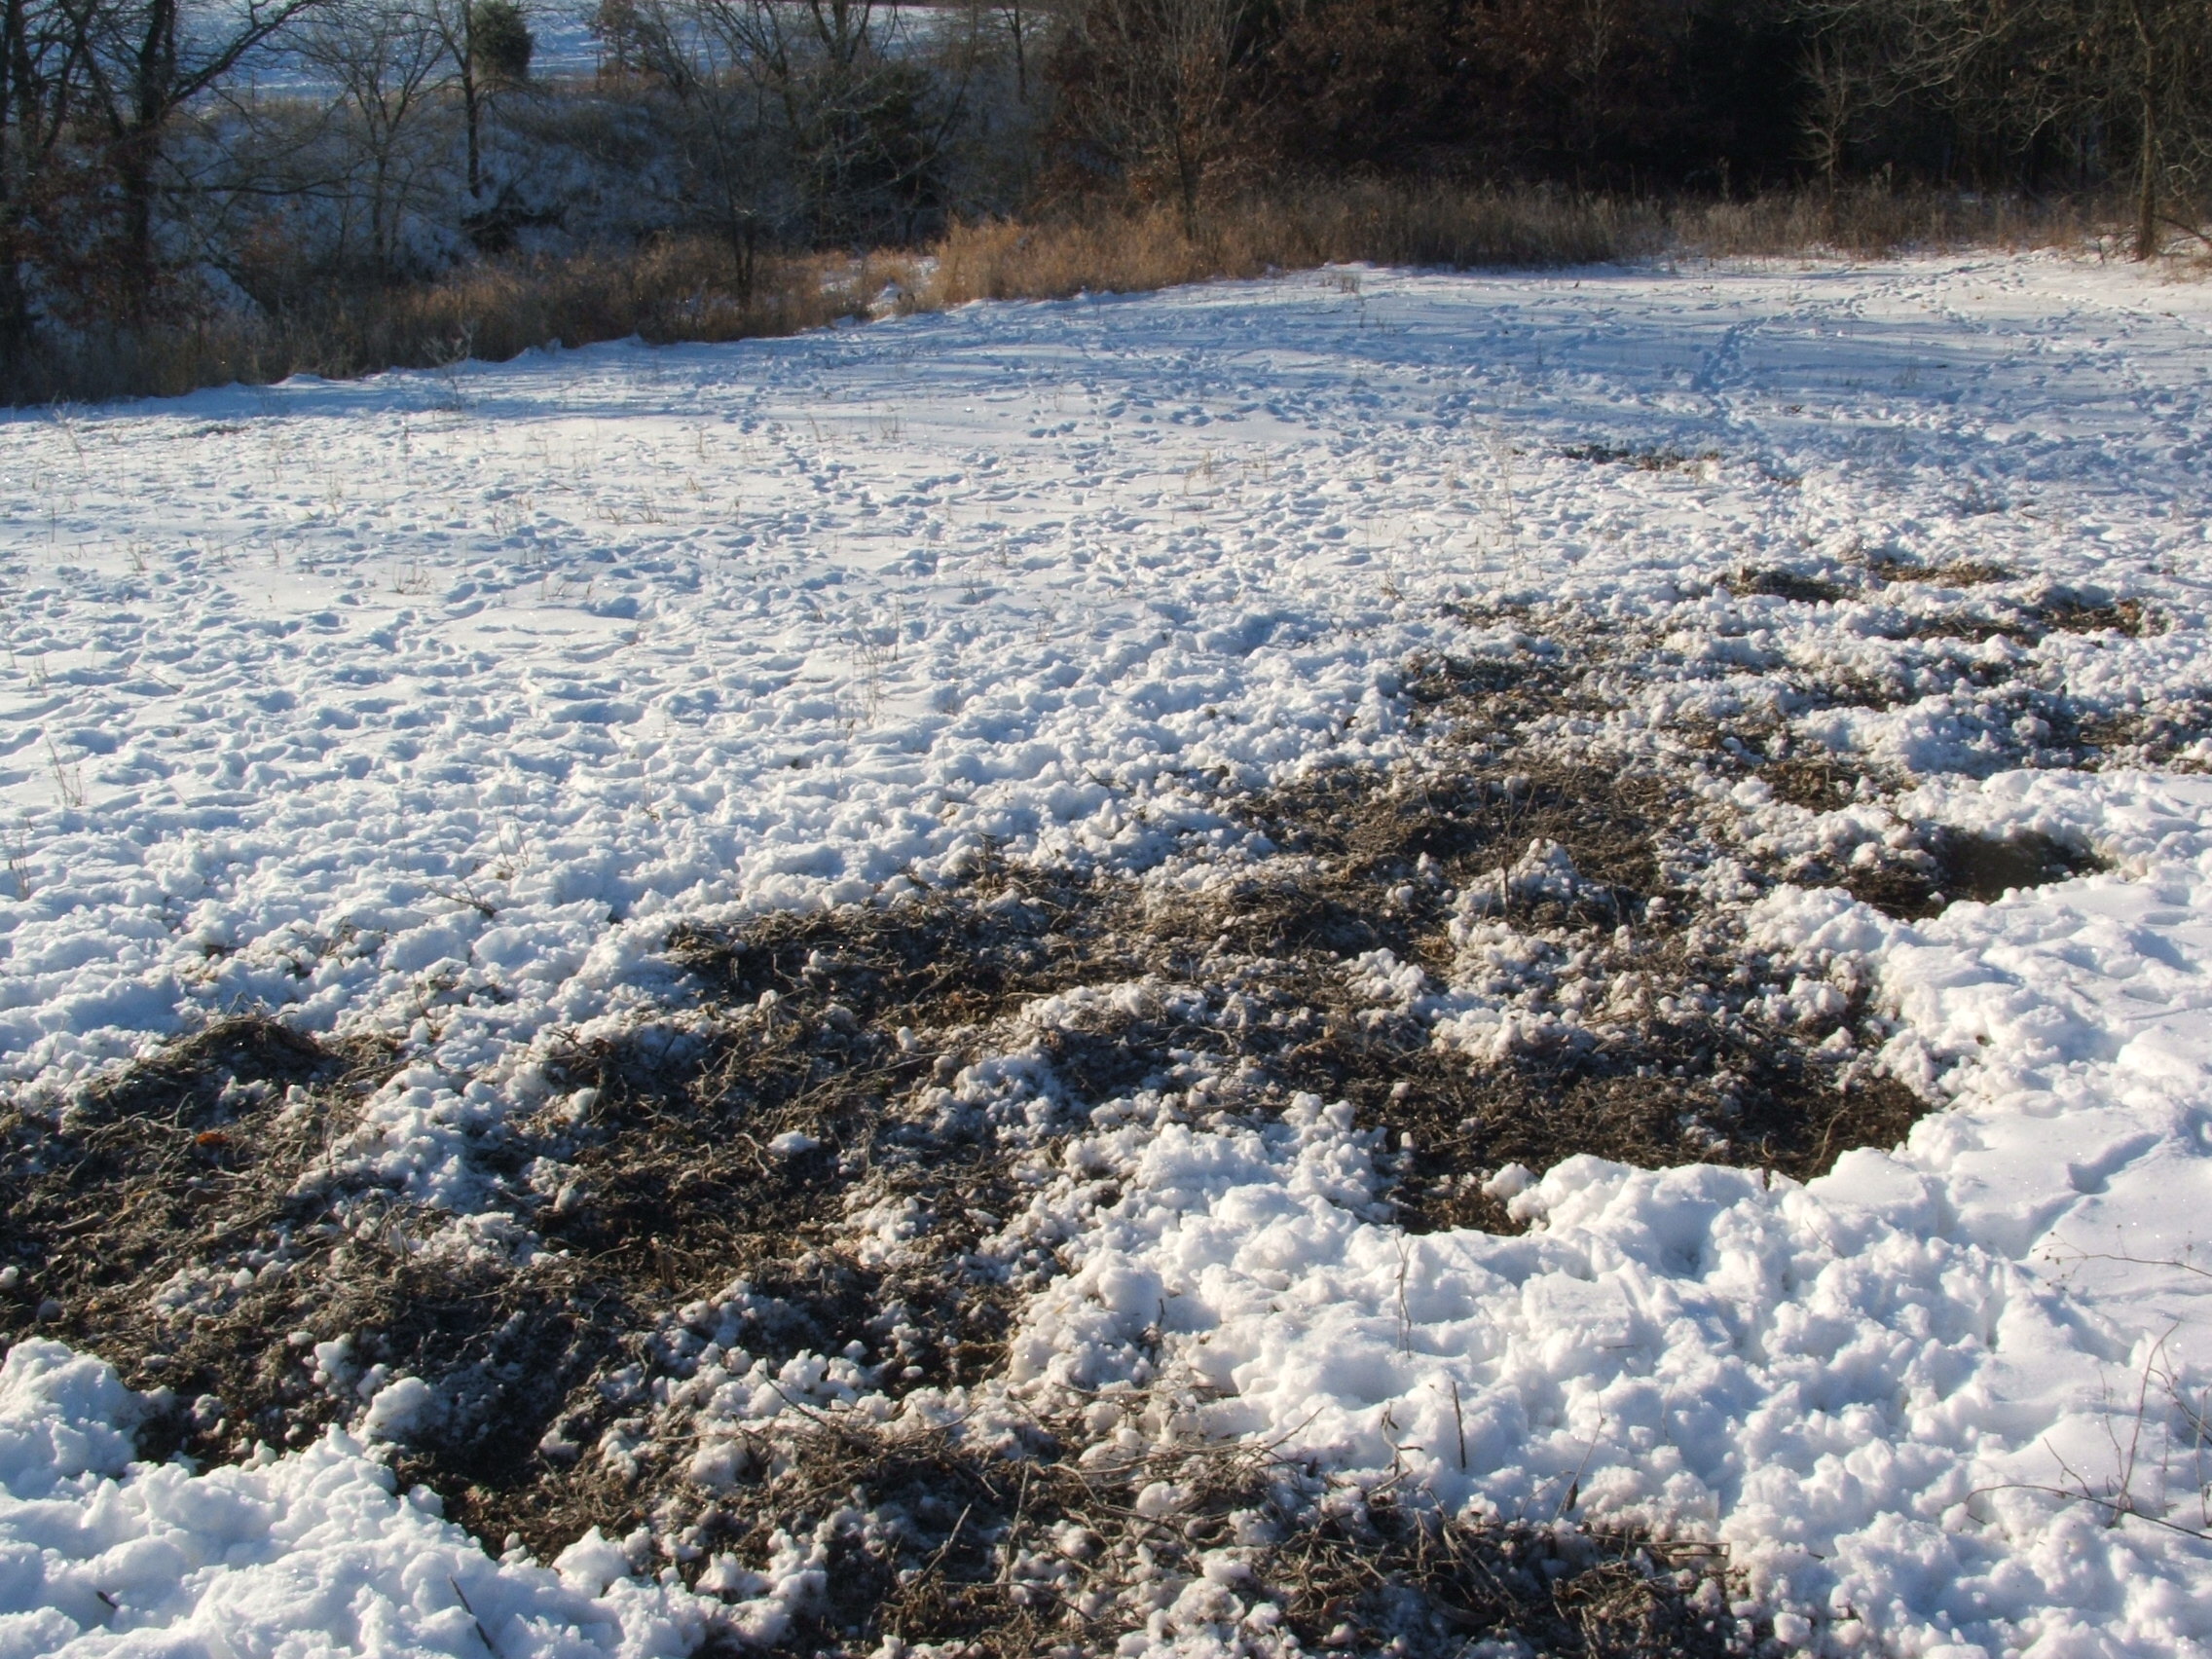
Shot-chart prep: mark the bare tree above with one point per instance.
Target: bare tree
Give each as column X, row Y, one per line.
column 454, row 21
column 2172, row 53
column 1024, row 21
column 1866, row 57
column 386, row 59
column 488, row 46
column 2020, row 72
column 40, row 67
column 726, row 148
column 844, row 104
column 138, row 66
column 1595, row 29
column 1153, row 83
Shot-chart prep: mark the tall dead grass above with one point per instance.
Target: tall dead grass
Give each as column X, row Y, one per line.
column 678, row 290
column 701, row 291
column 1147, row 248
column 1877, row 223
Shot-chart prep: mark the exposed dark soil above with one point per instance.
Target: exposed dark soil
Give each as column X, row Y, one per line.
column 1645, row 459
column 1955, row 572
column 191, row 1170
column 2055, row 610
column 1792, row 585
column 1956, row 866
column 2159, row 735
column 1014, row 1555
column 2058, row 610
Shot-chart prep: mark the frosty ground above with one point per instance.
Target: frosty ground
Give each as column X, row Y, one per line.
column 1298, row 916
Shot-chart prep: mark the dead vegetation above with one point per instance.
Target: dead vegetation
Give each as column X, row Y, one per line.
column 1043, row 1547
column 702, row 1185
column 1952, row 865
column 678, row 288
column 1777, row 584
column 2029, row 621
column 196, row 1219
column 1953, row 573
column 161, row 1215
column 699, row 288
column 1642, row 457
column 196, row 1222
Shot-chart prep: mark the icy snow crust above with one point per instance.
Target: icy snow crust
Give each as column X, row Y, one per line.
column 425, row 704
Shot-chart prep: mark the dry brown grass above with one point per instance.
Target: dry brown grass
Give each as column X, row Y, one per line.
column 196, row 1219
column 699, row 290
column 1874, row 223
column 1144, row 248
column 1006, row 1554
column 1444, row 225
column 187, row 1217
column 1953, row 573
column 678, row 290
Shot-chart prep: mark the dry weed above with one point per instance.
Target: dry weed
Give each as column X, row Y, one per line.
column 699, row 289
column 692, row 1184
column 1050, row 1546
column 1643, row 460
column 1954, row 573
column 1776, row 583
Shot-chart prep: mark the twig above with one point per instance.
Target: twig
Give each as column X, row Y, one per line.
column 950, row 1539
column 1574, row 1486
column 2139, row 1261
column 468, row 898
column 1013, row 1528
column 806, row 1411
column 481, row 1632
column 2121, row 1511
column 1404, row 1316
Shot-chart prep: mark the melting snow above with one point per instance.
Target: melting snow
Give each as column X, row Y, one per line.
column 425, row 704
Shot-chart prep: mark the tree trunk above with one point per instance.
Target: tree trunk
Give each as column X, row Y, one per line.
column 472, row 107
column 15, row 307
column 2147, row 186
column 1190, row 175
column 132, row 159
column 15, row 298
column 135, row 151
column 2147, row 158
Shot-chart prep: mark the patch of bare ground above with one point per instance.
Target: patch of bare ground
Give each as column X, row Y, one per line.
column 2171, row 733
column 1952, row 572
column 1059, row 1543
column 167, row 1218
column 1775, row 582
column 2003, row 706
column 1642, row 457
column 1944, row 866
column 694, row 1190
column 2029, row 621
column 2023, row 620
column 195, row 1221
column 1654, row 1053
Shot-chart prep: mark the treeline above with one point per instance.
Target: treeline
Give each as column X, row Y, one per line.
column 171, row 168
column 1714, row 97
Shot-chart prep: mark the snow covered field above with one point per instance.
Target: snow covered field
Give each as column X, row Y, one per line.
column 423, row 709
